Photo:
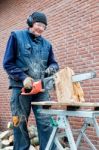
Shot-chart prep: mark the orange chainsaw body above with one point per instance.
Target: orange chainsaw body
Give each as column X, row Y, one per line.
column 36, row 88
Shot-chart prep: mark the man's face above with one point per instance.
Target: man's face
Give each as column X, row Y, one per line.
column 38, row 28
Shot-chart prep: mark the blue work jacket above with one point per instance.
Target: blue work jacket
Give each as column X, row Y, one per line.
column 27, row 55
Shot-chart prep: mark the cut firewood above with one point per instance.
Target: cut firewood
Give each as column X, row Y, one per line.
column 32, row 147
column 32, row 134
column 37, row 147
column 8, row 148
column 5, row 142
column 35, row 141
column 5, row 134
column 11, row 139
column 66, row 148
column 32, row 131
column 7, row 138
column 1, row 146
column 32, row 128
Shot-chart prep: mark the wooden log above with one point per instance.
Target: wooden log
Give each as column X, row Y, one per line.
column 32, row 134
column 66, row 148
column 1, row 146
column 6, row 134
column 35, row 141
column 63, row 86
column 31, row 128
column 32, row 147
column 11, row 139
column 32, row 131
column 66, row 90
column 37, row 147
column 8, row 148
column 5, row 143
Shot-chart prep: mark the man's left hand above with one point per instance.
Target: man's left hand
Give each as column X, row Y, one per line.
column 49, row 71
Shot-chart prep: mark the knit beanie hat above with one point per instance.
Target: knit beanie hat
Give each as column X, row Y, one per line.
column 39, row 17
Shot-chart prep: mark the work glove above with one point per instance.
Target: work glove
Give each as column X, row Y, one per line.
column 49, row 71
column 28, row 82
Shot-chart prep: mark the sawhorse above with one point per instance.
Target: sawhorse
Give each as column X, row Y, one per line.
column 63, row 123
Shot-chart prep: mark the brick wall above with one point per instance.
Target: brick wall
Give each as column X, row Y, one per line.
column 73, row 28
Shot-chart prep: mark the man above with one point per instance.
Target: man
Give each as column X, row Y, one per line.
column 29, row 57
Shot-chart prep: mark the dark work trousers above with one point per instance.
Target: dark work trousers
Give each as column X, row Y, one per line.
column 21, row 107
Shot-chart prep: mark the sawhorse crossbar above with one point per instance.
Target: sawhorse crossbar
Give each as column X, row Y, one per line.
column 61, row 121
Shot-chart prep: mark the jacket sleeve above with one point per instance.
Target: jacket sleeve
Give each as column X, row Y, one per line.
column 9, row 60
column 51, row 60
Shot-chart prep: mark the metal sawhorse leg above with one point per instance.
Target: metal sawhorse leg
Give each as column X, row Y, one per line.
column 82, row 134
column 63, row 122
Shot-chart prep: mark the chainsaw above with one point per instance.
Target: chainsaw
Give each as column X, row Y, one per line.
column 49, row 83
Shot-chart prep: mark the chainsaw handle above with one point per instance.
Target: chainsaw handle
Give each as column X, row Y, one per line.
column 36, row 88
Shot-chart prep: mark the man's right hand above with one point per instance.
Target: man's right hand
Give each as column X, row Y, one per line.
column 28, row 82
